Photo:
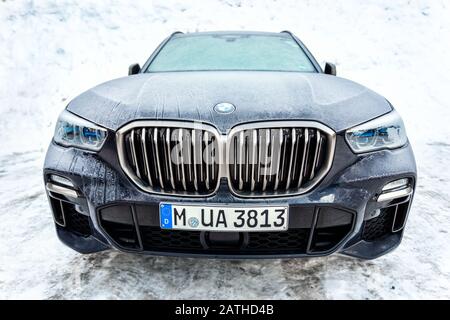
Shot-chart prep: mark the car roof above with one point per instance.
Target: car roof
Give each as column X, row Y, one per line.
column 200, row 33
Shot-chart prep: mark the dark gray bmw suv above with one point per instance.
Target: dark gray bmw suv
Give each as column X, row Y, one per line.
column 235, row 145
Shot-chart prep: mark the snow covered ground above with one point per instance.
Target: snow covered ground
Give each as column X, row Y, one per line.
column 53, row 50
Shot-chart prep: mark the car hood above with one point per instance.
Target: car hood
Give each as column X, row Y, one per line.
column 333, row 101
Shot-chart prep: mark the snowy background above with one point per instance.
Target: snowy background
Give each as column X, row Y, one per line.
column 54, row 50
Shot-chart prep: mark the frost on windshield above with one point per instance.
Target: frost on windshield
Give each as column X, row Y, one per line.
column 231, row 52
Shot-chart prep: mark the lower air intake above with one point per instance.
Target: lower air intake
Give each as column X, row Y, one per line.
column 311, row 232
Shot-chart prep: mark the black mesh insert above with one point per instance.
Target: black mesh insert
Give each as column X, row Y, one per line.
column 293, row 239
column 380, row 226
column 154, row 238
column 75, row 221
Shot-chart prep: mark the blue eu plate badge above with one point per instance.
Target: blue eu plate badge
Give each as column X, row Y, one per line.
column 165, row 215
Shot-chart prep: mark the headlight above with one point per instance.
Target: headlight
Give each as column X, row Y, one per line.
column 72, row 131
column 385, row 132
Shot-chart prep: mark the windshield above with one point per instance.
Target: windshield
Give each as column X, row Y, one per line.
column 231, row 52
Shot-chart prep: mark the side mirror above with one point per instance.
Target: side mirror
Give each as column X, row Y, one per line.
column 134, row 69
column 330, row 68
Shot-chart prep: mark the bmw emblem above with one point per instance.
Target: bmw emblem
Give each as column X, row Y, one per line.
column 193, row 222
column 224, row 108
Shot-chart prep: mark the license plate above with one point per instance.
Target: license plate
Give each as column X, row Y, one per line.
column 223, row 218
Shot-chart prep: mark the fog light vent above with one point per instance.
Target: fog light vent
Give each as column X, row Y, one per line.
column 396, row 189
column 397, row 184
column 61, row 180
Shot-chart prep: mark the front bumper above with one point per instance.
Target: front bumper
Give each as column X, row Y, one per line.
column 341, row 214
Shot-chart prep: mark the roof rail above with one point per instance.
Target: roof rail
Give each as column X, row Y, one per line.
column 174, row 33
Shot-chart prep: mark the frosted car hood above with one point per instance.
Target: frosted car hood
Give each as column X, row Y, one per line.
column 336, row 102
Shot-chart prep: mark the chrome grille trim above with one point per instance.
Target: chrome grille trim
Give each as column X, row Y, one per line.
column 133, row 153
column 294, row 148
column 169, row 157
column 241, row 160
column 156, row 153
column 292, row 159
column 254, row 155
column 266, row 158
column 305, row 156
column 278, row 157
column 144, row 151
column 316, row 154
column 181, row 148
column 205, row 140
column 194, row 159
